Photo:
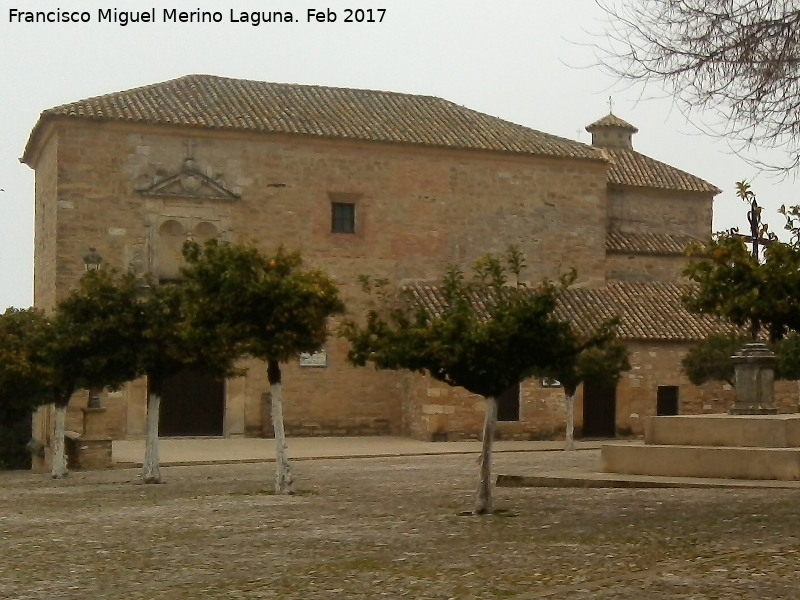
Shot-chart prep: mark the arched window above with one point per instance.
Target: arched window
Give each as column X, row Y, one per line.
column 204, row 231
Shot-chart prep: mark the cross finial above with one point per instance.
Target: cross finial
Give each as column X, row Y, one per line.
column 610, row 106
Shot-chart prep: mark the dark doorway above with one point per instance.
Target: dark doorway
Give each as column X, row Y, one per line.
column 192, row 403
column 667, row 400
column 508, row 404
column 599, row 410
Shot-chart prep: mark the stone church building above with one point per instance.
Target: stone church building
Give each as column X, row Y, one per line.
column 367, row 182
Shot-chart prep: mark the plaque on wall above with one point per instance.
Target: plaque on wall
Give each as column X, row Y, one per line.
column 550, row 383
column 317, row 359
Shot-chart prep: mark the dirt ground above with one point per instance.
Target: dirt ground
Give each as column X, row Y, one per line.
column 389, row 528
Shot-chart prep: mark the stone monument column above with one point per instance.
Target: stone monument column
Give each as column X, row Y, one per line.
column 755, row 378
column 94, row 446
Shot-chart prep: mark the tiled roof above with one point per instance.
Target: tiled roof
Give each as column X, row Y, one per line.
column 629, row 167
column 647, row 311
column 651, row 311
column 221, row 103
column 611, row 120
column 646, row 243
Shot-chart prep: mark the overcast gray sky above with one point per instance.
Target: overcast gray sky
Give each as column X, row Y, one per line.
column 527, row 61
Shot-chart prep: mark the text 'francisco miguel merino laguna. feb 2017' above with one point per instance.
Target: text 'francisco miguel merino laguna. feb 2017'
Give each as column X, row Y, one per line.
column 173, row 15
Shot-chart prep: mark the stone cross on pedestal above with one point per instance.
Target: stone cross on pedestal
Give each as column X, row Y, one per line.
column 760, row 236
column 754, row 365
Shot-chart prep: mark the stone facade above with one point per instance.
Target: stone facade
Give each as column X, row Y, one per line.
column 136, row 188
column 642, row 210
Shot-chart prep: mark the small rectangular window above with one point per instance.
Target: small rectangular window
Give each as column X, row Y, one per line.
column 343, row 217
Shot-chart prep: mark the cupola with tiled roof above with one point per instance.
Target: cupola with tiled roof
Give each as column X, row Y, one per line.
column 612, row 132
column 612, row 136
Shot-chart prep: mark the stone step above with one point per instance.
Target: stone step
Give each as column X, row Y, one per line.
column 723, row 462
column 750, row 431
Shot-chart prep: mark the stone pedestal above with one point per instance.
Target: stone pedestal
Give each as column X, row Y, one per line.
column 93, row 448
column 94, row 425
column 755, row 379
column 712, row 446
column 93, row 454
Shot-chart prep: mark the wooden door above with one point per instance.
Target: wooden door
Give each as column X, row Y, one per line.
column 599, row 411
column 192, row 404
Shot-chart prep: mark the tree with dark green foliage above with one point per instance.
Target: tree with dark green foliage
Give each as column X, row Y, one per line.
column 165, row 346
column 269, row 307
column 712, row 359
column 746, row 290
column 787, row 357
column 90, row 342
column 22, row 382
column 491, row 334
column 599, row 357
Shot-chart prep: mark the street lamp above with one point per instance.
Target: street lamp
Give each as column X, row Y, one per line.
column 92, row 262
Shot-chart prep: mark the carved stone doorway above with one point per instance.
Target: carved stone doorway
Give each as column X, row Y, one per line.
column 192, row 404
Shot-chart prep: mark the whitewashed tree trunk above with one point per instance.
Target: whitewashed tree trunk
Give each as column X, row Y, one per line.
column 483, row 496
column 151, row 468
column 59, row 470
column 283, row 474
column 569, row 439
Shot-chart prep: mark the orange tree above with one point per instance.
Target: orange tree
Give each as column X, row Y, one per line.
column 91, row 341
column 598, row 357
column 748, row 289
column 269, row 307
column 487, row 335
column 748, row 292
column 165, row 346
column 22, row 382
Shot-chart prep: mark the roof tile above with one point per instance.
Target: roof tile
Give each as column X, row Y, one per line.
column 647, row 311
column 208, row 101
column 237, row 104
column 629, row 167
column 625, row 242
column 611, row 120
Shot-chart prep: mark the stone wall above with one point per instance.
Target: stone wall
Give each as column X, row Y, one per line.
column 442, row 412
column 663, row 211
column 125, row 190
column 45, row 230
column 659, row 364
column 645, row 267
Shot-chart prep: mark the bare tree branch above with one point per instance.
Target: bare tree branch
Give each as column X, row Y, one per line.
column 738, row 60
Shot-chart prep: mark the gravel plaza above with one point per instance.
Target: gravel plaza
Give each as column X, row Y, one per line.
column 390, row 527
